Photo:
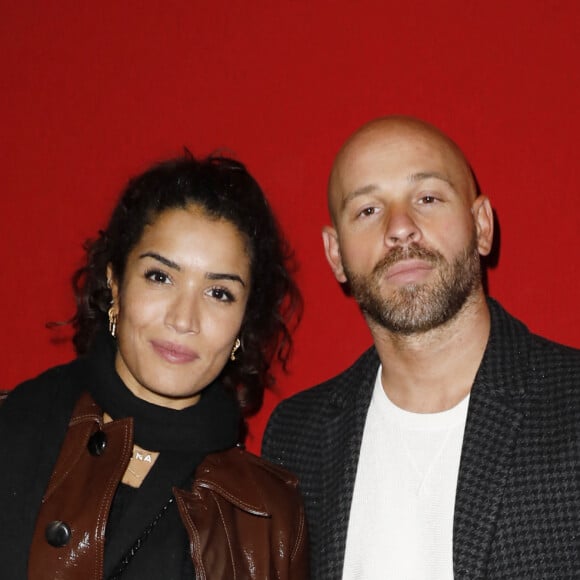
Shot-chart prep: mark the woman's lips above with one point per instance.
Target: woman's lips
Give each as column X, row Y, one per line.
column 408, row 271
column 173, row 353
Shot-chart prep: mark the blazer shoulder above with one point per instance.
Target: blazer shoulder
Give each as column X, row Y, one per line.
column 552, row 387
column 555, row 365
column 333, row 389
column 296, row 424
column 550, row 350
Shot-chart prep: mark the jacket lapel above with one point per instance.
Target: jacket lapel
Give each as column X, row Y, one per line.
column 343, row 436
column 493, row 423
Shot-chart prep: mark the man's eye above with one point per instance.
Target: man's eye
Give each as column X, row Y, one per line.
column 368, row 211
column 157, row 276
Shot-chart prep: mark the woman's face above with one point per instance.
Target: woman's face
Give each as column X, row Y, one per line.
column 180, row 306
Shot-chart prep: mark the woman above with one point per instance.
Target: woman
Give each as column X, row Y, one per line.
column 124, row 463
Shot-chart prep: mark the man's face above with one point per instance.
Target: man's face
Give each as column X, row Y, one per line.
column 408, row 228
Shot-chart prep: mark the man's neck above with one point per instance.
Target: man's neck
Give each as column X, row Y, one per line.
column 433, row 371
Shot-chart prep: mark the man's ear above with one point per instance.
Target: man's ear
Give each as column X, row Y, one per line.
column 332, row 252
column 483, row 218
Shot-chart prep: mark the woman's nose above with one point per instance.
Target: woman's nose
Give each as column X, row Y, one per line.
column 183, row 314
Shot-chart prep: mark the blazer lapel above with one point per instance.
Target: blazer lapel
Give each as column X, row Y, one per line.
column 343, row 436
column 493, row 422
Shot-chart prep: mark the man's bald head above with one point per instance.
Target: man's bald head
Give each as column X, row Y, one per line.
column 387, row 136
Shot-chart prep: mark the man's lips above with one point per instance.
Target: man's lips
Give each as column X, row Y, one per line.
column 173, row 353
column 405, row 271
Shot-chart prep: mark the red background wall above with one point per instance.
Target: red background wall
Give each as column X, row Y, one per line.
column 94, row 92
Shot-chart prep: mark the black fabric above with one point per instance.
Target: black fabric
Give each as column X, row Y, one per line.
column 517, row 511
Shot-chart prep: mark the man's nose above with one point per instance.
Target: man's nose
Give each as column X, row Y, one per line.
column 401, row 228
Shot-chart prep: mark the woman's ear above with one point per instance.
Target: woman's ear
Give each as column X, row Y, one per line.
column 112, row 285
column 332, row 252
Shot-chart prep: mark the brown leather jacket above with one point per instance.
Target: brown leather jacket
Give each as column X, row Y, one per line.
column 243, row 515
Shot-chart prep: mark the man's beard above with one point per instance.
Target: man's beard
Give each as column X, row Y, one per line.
column 417, row 308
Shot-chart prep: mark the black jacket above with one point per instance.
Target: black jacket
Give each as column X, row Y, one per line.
column 517, row 511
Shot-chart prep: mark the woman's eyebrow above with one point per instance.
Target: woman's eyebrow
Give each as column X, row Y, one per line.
column 169, row 263
column 224, row 276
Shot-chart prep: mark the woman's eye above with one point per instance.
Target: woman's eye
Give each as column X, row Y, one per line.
column 221, row 294
column 427, row 199
column 157, row 276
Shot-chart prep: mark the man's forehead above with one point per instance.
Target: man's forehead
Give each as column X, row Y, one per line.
column 384, row 144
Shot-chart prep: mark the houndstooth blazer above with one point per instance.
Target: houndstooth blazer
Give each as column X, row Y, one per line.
column 517, row 510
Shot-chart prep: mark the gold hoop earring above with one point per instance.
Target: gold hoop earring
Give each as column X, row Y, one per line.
column 235, row 347
column 112, row 321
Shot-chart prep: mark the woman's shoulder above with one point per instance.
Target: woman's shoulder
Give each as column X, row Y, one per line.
column 38, row 391
column 255, row 500
column 249, row 478
column 52, row 375
column 238, row 460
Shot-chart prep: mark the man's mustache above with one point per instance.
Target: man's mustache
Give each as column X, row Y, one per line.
column 411, row 252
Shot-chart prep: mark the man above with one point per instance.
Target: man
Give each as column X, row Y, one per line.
column 450, row 448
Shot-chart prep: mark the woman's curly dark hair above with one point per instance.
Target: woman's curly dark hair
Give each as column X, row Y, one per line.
column 223, row 189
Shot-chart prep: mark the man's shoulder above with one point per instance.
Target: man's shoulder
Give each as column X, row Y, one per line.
column 297, row 424
column 332, row 390
column 555, row 351
column 556, row 365
column 508, row 330
column 547, row 371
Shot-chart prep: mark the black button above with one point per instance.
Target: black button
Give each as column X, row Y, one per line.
column 57, row 534
column 97, row 443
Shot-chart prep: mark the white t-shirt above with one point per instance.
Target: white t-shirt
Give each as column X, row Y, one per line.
column 401, row 518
